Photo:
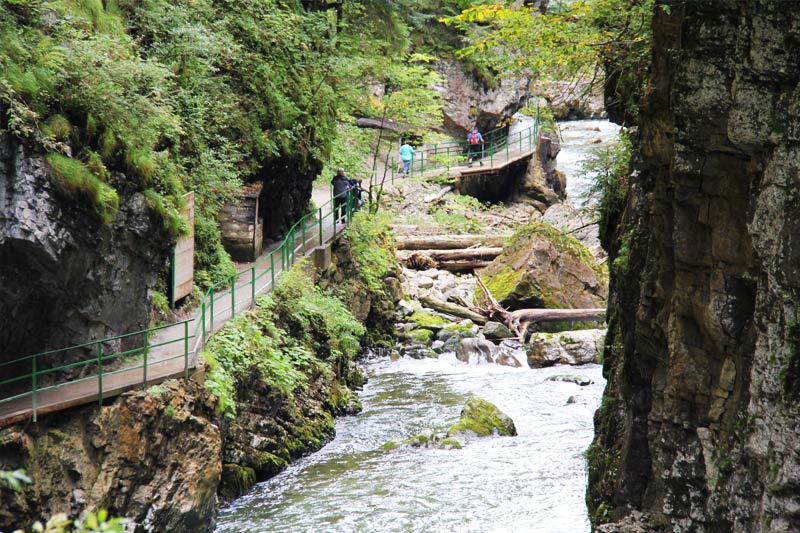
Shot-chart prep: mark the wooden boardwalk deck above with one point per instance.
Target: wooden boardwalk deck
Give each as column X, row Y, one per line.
column 168, row 357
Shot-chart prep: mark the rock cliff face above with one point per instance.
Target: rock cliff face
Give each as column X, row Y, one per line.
column 699, row 424
column 153, row 457
column 65, row 278
column 469, row 102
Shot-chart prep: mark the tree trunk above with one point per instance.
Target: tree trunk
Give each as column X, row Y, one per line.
column 448, row 242
column 463, row 266
column 463, row 254
column 554, row 315
column 451, row 309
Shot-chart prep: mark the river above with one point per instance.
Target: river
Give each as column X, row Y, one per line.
column 528, row 483
column 534, row 482
column 578, row 139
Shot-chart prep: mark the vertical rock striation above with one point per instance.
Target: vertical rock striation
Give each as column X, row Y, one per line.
column 699, row 424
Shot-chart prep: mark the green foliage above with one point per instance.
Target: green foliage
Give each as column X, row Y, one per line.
column 567, row 43
column 72, row 177
column 608, row 171
column 98, row 522
column 283, row 341
column 213, row 265
column 160, row 302
column 371, row 246
column 14, row 479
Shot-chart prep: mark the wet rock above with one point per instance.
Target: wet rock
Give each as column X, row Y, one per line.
column 417, row 351
column 507, row 357
column 418, row 336
column 437, row 346
column 566, row 378
column 544, row 268
column 464, row 96
column 572, row 399
column 456, row 332
column 480, row 418
column 475, row 351
column 496, row 331
column 569, row 347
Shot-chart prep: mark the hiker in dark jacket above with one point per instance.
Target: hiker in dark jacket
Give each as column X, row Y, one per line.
column 340, row 187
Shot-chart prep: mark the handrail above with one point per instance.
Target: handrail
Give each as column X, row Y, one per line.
column 457, row 154
column 339, row 207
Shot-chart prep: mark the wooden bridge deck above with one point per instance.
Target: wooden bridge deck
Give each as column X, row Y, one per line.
column 167, row 357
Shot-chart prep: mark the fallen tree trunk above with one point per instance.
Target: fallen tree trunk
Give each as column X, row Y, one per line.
column 451, row 309
column 551, row 315
column 447, row 242
column 462, row 266
column 462, row 254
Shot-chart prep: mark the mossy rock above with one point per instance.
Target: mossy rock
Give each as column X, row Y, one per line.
column 428, row 320
column 235, row 481
column 450, row 444
column 482, row 418
column 421, row 336
column 267, row 464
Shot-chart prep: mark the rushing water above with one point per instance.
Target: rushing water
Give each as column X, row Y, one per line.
column 532, row 482
column 578, row 139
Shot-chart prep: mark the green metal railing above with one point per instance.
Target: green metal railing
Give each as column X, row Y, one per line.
column 215, row 308
column 497, row 146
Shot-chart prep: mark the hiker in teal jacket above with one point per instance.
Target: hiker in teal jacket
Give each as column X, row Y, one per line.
column 407, row 155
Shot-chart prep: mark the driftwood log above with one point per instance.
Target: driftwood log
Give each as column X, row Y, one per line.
column 451, row 309
column 518, row 321
column 448, row 242
column 461, row 254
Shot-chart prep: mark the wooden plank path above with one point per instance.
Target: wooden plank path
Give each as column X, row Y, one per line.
column 174, row 351
column 171, row 354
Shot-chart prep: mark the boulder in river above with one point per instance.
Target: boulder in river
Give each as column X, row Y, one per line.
column 480, row 418
column 497, row 331
column 569, row 347
column 475, row 351
column 566, row 378
column 546, row 268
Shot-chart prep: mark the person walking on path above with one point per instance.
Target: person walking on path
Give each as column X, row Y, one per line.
column 407, row 155
column 474, row 139
column 340, row 187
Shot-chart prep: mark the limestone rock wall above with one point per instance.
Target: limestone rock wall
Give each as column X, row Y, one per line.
column 65, row 278
column 699, row 423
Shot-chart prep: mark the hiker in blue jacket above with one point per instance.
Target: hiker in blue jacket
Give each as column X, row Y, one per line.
column 407, row 155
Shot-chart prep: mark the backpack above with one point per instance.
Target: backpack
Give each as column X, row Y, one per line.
column 473, row 138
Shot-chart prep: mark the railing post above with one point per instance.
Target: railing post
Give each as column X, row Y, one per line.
column 203, row 323
column 253, row 285
column 233, row 296
column 304, row 237
column 100, row 373
column 335, row 215
column 34, row 398
column 272, row 270
column 212, row 311
column 320, row 226
column 186, row 350
column 146, row 351
column 348, row 206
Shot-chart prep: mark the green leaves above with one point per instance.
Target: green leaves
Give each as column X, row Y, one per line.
column 14, row 479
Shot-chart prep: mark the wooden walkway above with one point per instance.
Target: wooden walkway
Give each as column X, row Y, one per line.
column 169, row 356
